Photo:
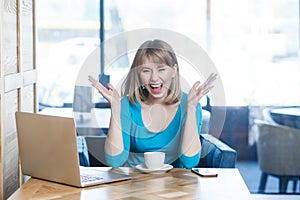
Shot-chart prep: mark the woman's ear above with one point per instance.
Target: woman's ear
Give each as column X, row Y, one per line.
column 175, row 70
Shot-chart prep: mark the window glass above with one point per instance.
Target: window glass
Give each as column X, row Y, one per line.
column 254, row 44
column 67, row 32
column 179, row 17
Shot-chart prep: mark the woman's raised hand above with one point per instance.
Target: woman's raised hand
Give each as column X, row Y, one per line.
column 199, row 90
column 110, row 94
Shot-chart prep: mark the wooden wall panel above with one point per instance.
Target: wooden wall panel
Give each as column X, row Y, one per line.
column 9, row 60
column 29, row 77
column 17, row 84
column 27, row 35
column 12, row 81
column 10, row 105
column 9, row 142
column 28, row 98
column 1, row 92
column 9, row 37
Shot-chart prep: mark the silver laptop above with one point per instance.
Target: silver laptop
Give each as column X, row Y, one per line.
column 48, row 150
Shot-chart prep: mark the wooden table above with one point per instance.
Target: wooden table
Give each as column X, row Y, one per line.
column 175, row 184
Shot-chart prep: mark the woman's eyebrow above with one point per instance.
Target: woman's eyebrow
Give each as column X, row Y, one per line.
column 161, row 65
column 144, row 67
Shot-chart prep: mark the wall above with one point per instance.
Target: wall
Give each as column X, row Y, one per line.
column 17, row 83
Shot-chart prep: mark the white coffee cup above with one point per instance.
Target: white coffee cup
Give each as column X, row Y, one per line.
column 154, row 160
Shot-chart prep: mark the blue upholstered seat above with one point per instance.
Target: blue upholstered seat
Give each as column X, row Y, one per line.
column 82, row 151
column 215, row 153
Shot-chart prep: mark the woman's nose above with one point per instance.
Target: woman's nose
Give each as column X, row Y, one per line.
column 154, row 76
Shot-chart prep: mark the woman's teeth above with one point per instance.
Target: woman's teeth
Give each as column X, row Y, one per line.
column 156, row 86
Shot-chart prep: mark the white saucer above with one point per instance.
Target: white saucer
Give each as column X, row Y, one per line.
column 144, row 169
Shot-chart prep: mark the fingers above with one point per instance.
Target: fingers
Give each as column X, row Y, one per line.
column 96, row 84
column 205, row 91
column 109, row 94
column 212, row 77
column 196, row 85
column 208, row 82
column 103, row 90
column 92, row 79
column 204, row 88
column 111, row 87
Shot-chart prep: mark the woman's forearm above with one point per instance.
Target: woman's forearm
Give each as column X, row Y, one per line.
column 114, row 143
column 191, row 142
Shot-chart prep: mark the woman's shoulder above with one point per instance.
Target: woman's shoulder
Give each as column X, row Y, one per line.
column 129, row 106
column 183, row 101
column 124, row 99
column 183, row 98
column 125, row 105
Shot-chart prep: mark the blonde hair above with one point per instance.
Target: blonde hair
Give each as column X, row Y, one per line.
column 159, row 52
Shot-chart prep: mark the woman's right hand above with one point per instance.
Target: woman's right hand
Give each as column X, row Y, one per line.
column 111, row 94
column 114, row 142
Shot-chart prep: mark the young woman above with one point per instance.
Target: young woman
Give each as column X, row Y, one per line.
column 153, row 113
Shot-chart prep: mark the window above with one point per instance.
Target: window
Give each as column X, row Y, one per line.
column 67, row 32
column 254, row 44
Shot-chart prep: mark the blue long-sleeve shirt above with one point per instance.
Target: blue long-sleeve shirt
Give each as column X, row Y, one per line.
column 138, row 139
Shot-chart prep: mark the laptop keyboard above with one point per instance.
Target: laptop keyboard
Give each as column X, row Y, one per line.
column 89, row 178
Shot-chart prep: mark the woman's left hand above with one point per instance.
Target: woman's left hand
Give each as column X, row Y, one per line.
column 198, row 91
column 110, row 94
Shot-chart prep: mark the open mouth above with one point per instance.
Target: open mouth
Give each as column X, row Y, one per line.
column 156, row 88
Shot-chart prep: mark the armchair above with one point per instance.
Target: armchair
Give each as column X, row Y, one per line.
column 215, row 154
column 277, row 152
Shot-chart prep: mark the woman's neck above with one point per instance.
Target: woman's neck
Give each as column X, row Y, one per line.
column 157, row 117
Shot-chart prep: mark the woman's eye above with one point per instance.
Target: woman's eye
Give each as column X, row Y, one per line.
column 161, row 68
column 145, row 70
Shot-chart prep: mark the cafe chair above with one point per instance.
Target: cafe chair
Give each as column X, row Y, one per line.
column 215, row 153
column 267, row 115
column 95, row 146
column 82, row 151
column 205, row 122
column 278, row 155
